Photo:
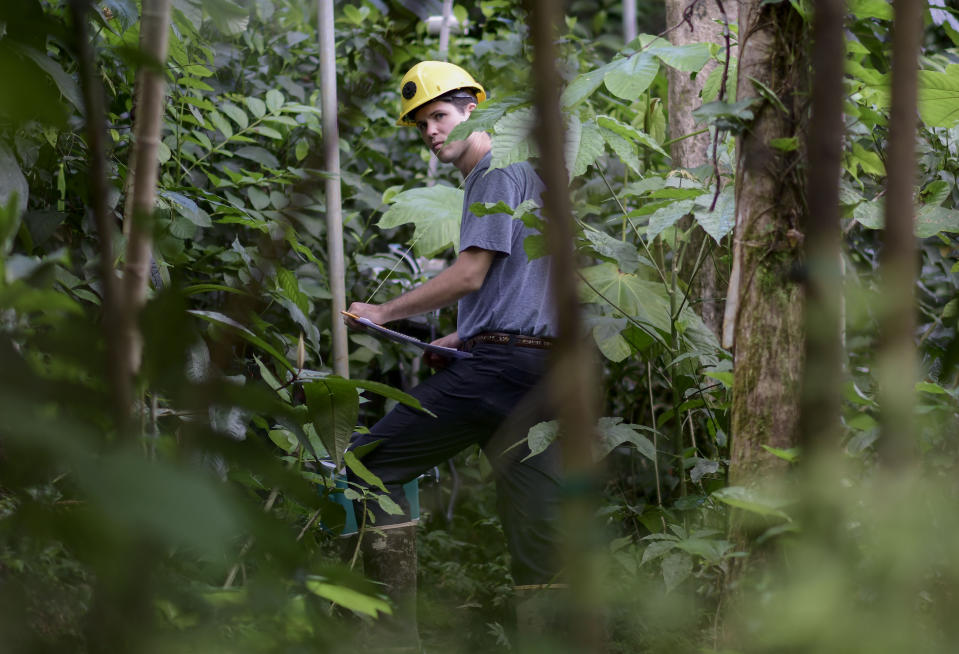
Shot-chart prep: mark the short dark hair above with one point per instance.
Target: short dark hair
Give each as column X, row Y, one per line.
column 459, row 98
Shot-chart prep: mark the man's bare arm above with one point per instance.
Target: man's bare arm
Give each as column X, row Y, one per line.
column 463, row 276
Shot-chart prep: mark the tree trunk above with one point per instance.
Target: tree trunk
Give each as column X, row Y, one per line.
column 334, row 210
column 764, row 304
column 897, row 351
column 822, row 375
column 155, row 29
column 705, row 25
column 572, row 377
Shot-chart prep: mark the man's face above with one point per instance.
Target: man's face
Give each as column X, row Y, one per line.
column 435, row 121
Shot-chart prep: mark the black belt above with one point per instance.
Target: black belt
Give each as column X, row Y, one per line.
column 502, row 338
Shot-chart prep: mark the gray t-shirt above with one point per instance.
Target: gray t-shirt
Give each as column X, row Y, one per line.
column 515, row 296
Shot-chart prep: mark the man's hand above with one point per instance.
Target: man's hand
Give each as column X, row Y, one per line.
column 372, row 312
column 438, row 361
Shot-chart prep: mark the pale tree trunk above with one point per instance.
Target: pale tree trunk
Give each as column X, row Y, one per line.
column 822, row 376
column 897, row 353
column 705, row 24
column 154, row 30
column 334, row 210
column 764, row 304
column 572, row 377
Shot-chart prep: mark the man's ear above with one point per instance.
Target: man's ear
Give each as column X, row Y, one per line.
column 469, row 109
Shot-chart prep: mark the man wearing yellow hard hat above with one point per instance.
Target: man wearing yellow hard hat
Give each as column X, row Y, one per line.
column 506, row 321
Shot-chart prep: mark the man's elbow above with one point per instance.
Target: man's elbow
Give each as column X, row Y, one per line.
column 473, row 280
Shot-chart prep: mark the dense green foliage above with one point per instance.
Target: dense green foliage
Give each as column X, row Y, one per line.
column 107, row 537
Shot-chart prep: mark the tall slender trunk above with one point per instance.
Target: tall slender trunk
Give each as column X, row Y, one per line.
column 764, row 304
column 823, row 363
column 572, row 377
column 334, row 211
column 897, row 352
column 155, row 29
column 706, row 24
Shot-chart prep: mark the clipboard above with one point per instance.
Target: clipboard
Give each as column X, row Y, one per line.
column 397, row 337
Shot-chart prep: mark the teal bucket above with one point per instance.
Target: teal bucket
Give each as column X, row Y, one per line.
column 411, row 489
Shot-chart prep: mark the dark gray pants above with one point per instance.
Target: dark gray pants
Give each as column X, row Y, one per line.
column 491, row 399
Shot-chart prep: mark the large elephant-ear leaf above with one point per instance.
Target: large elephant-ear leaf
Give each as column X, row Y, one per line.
column 435, row 213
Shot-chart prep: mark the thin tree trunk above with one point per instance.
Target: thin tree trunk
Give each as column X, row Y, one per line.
column 897, row 352
column 334, row 212
column 155, row 28
column 93, row 101
column 573, row 378
column 706, row 25
column 823, row 362
column 629, row 20
column 444, row 50
column 764, row 305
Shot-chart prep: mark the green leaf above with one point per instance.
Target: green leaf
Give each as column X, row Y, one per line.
column 274, row 100
column 541, row 436
column 668, row 216
column 218, row 121
column 688, row 58
column 584, row 85
column 939, row 97
column 187, row 208
column 228, row 17
column 656, row 549
column 258, row 198
column 256, row 106
column 676, row 568
column 624, row 253
column 871, row 9
column 623, row 149
column 333, row 406
column 628, row 78
column 720, row 221
column 235, row 114
column 607, row 333
column 584, row 144
column 932, row 220
column 225, row 321
column 435, row 212
column 349, row 598
column 791, row 454
column 484, row 117
column 14, row 193
column 65, row 83
column 930, row 387
column 260, row 155
column 361, row 471
column 613, row 433
column 629, row 132
column 752, row 501
column 733, row 117
column 511, row 138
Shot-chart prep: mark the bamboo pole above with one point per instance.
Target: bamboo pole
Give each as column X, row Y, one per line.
column 629, row 20
column 154, row 29
column 334, row 211
column 897, row 351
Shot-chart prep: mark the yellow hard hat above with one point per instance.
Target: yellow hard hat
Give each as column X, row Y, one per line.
column 427, row 81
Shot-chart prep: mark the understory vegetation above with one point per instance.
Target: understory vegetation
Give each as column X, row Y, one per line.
column 211, row 521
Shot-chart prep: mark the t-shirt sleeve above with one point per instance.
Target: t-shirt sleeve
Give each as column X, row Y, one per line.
column 495, row 231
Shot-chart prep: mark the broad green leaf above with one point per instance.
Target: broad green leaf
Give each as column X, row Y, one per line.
column 65, row 83
column 187, row 208
column 668, row 216
column 13, row 184
column 789, row 454
column 607, row 333
column 623, row 149
column 676, row 568
column 628, row 78
column 258, row 198
column 613, row 433
column 631, row 133
column 511, row 138
column 260, row 155
column 689, row 58
column 584, row 85
column 932, row 220
column 869, row 214
column 333, row 407
column 540, row 436
column 291, row 289
column 274, row 101
column 218, row 121
column 930, row 387
column 720, row 221
column 235, row 114
column 623, row 253
column 656, row 549
column 642, row 300
column 584, row 143
column 256, row 106
column 752, row 500
column 435, row 212
column 361, row 471
column 939, row 97
column 349, row 598
column 484, row 117
column 247, row 335
column 871, row 9
column 228, row 17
